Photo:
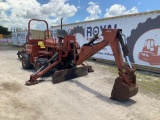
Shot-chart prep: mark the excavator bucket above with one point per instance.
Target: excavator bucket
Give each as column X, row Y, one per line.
column 67, row 74
column 122, row 91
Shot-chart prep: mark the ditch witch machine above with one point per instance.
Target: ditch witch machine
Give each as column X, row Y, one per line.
column 61, row 59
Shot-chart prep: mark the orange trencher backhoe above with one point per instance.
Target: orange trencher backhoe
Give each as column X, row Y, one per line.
column 60, row 59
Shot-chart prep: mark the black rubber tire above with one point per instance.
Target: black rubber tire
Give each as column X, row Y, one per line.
column 20, row 54
column 26, row 62
column 38, row 64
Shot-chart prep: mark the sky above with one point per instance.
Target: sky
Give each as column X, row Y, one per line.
column 17, row 13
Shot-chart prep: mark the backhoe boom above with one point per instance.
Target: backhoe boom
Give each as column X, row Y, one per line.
column 125, row 84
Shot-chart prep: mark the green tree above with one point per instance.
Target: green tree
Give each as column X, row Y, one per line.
column 4, row 30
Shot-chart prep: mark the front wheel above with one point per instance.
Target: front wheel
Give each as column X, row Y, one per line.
column 26, row 62
column 39, row 63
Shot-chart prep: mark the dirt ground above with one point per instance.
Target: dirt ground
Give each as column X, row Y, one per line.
column 84, row 98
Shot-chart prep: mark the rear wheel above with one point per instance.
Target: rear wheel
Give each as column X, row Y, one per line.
column 26, row 62
column 39, row 63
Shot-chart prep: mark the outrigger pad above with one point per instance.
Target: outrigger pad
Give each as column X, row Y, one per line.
column 121, row 91
column 29, row 82
column 67, row 74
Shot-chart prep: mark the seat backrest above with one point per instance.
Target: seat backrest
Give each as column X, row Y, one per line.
column 61, row 33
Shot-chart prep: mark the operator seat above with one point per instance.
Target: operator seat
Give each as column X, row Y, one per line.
column 61, row 33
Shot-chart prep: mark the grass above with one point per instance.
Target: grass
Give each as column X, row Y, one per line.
column 5, row 44
column 148, row 82
column 10, row 46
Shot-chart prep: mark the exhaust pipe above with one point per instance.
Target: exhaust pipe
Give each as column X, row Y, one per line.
column 61, row 23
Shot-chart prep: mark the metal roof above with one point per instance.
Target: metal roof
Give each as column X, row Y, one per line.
column 115, row 17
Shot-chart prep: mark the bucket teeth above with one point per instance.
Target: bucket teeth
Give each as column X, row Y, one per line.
column 67, row 74
column 121, row 91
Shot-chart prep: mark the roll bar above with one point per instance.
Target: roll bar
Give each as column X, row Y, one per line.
column 29, row 27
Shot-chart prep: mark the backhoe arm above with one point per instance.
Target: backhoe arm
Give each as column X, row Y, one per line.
column 89, row 49
column 125, row 84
